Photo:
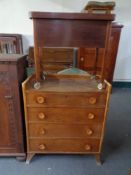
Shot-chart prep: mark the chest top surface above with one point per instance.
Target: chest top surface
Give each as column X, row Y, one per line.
column 67, row 84
column 11, row 57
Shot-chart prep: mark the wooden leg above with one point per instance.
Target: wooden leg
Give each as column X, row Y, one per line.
column 98, row 159
column 29, row 157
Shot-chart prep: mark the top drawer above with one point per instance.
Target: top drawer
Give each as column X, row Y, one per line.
column 39, row 99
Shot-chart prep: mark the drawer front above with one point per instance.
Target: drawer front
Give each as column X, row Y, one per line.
column 70, row 115
column 64, row 131
column 64, row 145
column 77, row 100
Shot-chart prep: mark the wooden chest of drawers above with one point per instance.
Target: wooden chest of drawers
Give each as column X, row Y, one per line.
column 66, row 119
column 66, row 114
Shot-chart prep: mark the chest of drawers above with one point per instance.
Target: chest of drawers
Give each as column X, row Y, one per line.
column 66, row 114
column 65, row 119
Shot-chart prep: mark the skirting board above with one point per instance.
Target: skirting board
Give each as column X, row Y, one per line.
column 121, row 84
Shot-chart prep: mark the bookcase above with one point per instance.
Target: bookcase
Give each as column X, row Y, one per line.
column 11, row 43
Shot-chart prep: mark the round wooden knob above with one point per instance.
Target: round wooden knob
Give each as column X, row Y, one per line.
column 41, row 115
column 42, row 147
column 91, row 116
column 92, row 100
column 40, row 100
column 88, row 147
column 82, row 58
column 42, row 131
column 89, row 132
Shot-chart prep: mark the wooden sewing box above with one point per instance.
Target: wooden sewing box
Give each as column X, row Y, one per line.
column 66, row 113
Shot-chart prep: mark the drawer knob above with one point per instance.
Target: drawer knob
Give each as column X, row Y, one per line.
column 92, row 100
column 42, row 131
column 82, row 58
column 88, row 147
column 91, row 116
column 41, row 115
column 42, row 147
column 40, row 100
column 89, row 132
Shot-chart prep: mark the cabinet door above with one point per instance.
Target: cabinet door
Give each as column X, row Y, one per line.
column 7, row 129
column 90, row 59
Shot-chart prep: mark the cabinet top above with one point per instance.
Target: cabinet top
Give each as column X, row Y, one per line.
column 10, row 35
column 59, row 15
column 11, row 57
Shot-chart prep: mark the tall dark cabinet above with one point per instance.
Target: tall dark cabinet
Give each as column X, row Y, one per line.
column 12, row 74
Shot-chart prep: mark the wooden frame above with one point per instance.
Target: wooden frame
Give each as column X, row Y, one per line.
column 70, row 30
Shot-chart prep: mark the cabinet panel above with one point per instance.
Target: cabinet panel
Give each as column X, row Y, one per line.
column 12, row 73
column 7, row 129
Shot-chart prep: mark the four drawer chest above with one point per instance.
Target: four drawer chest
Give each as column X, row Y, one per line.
column 66, row 115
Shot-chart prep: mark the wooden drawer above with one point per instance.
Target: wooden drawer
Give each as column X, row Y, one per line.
column 64, row 145
column 64, row 131
column 60, row 99
column 70, row 115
